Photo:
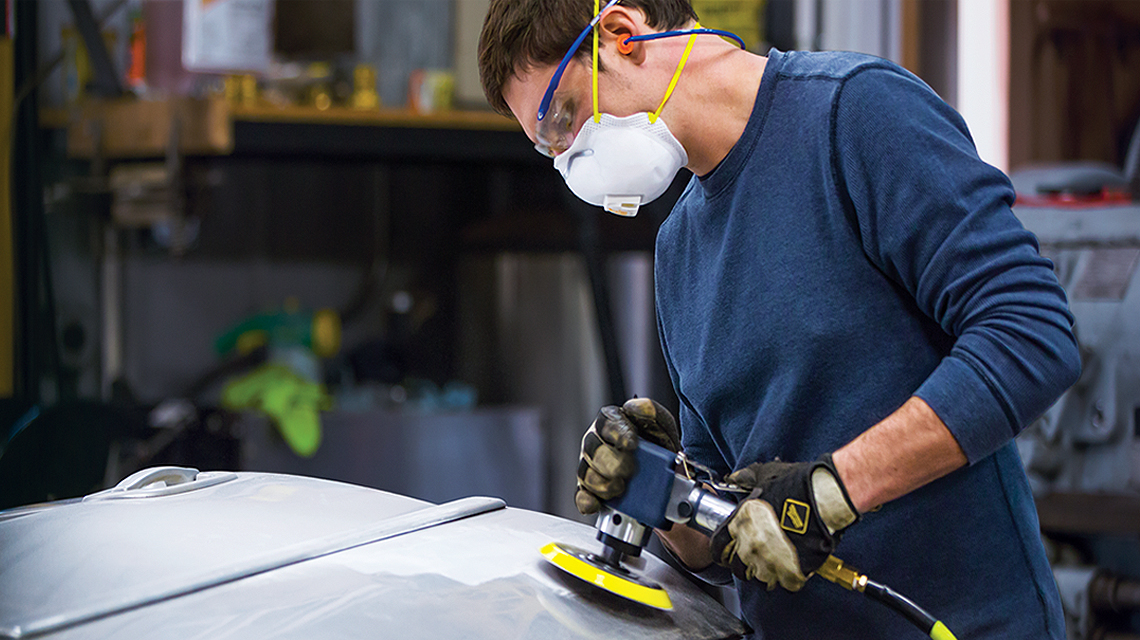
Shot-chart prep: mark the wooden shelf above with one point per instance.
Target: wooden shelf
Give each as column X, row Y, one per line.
column 143, row 128
column 484, row 120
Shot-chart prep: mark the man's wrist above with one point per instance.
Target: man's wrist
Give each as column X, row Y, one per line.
column 901, row 453
column 845, row 465
column 689, row 546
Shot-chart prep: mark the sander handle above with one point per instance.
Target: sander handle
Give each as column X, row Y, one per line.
column 691, row 504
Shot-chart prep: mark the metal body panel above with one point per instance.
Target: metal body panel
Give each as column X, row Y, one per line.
column 262, row 555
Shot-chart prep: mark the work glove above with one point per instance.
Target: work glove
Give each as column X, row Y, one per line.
column 607, row 459
column 788, row 525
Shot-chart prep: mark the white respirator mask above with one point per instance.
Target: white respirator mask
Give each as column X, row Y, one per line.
column 620, row 164
column 615, row 163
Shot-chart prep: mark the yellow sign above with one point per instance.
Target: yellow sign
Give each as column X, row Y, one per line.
column 742, row 17
column 795, row 518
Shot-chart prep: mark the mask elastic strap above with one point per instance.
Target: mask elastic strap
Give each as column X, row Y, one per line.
column 594, row 75
column 676, row 75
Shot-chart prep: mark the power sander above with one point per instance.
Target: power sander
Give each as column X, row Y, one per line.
column 668, row 488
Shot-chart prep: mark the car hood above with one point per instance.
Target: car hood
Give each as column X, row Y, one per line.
column 175, row 553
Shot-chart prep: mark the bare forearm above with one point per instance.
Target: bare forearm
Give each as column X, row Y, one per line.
column 689, row 545
column 908, row 449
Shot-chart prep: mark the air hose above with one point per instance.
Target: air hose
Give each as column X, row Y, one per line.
column 835, row 571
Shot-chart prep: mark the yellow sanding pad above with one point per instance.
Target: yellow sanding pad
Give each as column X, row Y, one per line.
column 590, row 568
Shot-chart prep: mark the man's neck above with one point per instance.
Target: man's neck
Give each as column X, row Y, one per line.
column 709, row 113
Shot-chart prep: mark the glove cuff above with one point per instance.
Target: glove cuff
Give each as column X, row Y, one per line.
column 720, row 540
column 833, row 503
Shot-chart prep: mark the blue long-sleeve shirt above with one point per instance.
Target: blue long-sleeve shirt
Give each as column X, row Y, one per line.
column 852, row 251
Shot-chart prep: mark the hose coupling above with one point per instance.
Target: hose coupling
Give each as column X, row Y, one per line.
column 834, row 570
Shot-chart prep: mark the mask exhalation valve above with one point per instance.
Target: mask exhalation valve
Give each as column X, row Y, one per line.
column 622, row 205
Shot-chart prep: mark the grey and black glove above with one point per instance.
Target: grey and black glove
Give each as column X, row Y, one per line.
column 788, row 525
column 607, row 459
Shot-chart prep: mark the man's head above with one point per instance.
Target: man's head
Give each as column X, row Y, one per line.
column 519, row 35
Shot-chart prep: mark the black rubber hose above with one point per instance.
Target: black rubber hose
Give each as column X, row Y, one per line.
column 901, row 604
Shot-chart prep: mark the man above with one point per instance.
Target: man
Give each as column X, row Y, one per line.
column 842, row 282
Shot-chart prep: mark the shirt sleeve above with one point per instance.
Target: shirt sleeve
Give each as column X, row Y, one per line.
column 936, row 220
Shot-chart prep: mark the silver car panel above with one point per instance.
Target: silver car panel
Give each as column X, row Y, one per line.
column 262, row 555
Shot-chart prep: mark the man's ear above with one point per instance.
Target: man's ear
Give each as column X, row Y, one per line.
column 617, row 25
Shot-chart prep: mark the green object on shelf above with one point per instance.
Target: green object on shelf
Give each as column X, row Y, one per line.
column 291, row 402
column 318, row 330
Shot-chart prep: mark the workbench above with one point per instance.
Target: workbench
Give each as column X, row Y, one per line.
column 306, row 203
column 137, row 129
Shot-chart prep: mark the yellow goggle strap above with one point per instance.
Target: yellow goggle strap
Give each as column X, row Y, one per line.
column 668, row 91
column 594, row 75
column 676, row 75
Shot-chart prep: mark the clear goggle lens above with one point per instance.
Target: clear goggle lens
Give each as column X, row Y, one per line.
column 555, row 132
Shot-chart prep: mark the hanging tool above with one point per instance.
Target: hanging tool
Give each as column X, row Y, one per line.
column 669, row 488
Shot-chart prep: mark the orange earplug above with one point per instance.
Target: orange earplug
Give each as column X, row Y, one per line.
column 625, row 47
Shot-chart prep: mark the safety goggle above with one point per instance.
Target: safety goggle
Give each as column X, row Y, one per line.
column 554, row 131
column 554, row 134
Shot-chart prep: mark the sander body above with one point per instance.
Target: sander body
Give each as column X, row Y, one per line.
column 662, row 492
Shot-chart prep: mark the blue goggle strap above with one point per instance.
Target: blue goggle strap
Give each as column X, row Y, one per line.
column 544, row 106
column 685, row 32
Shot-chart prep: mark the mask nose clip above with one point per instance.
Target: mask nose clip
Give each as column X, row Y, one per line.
column 570, row 156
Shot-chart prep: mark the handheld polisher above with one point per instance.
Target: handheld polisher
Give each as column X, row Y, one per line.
column 668, row 488
column 655, row 496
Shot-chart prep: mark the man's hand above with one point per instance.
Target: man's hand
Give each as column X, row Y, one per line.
column 607, row 457
column 788, row 525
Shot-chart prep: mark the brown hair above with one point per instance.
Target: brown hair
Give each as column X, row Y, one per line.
column 519, row 34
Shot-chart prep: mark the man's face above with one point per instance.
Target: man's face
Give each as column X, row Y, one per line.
column 572, row 102
column 568, row 110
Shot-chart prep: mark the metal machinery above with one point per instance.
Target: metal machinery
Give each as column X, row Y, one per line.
column 1090, row 440
column 1083, row 456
